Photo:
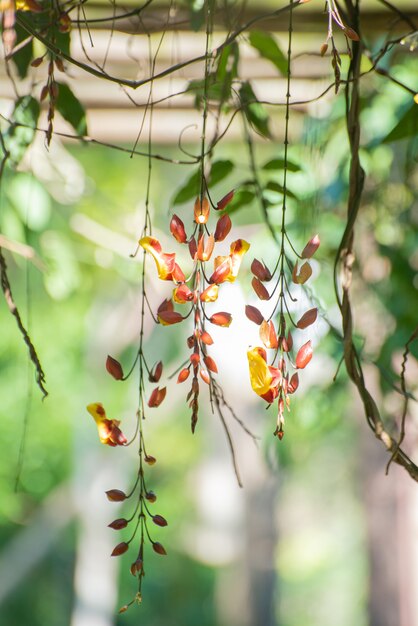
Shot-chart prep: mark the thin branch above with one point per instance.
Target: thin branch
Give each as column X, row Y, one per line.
column 7, row 292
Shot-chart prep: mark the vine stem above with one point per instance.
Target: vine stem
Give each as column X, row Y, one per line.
column 345, row 257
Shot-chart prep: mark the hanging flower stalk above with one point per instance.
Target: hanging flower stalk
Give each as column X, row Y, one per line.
column 275, row 379
column 141, row 517
column 197, row 293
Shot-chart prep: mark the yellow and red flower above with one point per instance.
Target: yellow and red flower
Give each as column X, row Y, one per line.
column 166, row 264
column 109, row 432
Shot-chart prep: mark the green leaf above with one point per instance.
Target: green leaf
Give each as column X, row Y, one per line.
column 18, row 138
column 254, row 111
column 71, row 109
column 189, row 190
column 406, row 127
column 267, row 47
column 273, row 186
column 278, row 164
column 24, row 56
column 242, row 198
column 220, row 170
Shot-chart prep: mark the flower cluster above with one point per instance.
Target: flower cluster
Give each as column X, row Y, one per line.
column 197, row 291
column 274, row 382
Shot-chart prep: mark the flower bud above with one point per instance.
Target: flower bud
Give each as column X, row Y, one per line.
column 114, row 368
column 120, row 549
column 116, row 495
column 118, row 524
column 159, row 520
column 158, row 548
column 201, row 211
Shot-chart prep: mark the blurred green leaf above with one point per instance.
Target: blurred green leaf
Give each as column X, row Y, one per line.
column 254, row 111
column 22, row 57
column 18, row 138
column 267, row 47
column 220, row 170
column 406, row 127
column 189, row 190
column 278, row 164
column 71, row 109
column 273, row 186
column 242, row 197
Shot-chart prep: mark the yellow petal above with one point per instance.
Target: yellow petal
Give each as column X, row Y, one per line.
column 165, row 262
column 260, row 376
column 237, row 251
column 97, row 411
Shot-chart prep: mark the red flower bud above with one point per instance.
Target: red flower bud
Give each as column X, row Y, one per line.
column 223, row 226
column 260, row 270
column 159, row 520
column 116, row 495
column 253, row 314
column 177, row 229
column 158, row 548
column 259, row 289
column 193, row 248
column 268, row 334
column 311, row 247
column 150, row 460
column 210, row 364
column 150, row 496
column 206, row 338
column 201, row 211
column 307, row 318
column 225, row 201
column 167, row 318
column 120, row 549
column 293, row 383
column 205, row 376
column 157, row 396
column 136, row 567
column 118, row 524
column 304, row 355
column 221, row 319
column 114, row 368
column 155, row 374
column 184, row 375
